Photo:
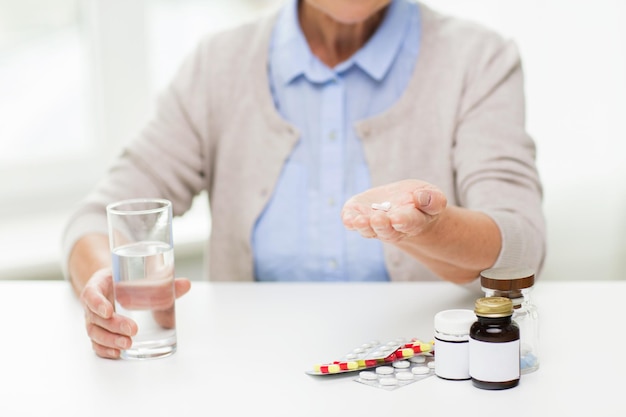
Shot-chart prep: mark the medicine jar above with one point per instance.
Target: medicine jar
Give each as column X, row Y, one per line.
column 516, row 283
column 494, row 346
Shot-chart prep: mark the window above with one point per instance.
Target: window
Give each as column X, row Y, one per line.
column 42, row 97
column 77, row 79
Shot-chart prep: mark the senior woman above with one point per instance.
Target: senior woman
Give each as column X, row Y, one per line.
column 299, row 125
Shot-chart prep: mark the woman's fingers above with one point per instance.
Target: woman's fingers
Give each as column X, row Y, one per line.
column 181, row 286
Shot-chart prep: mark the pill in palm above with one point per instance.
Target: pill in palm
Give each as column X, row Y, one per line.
column 384, row 206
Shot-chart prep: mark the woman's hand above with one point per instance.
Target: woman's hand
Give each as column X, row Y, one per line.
column 414, row 206
column 110, row 332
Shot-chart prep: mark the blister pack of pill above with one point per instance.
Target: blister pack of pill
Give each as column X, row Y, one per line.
column 372, row 354
column 399, row 373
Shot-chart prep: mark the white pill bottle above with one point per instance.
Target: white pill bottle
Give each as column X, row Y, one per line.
column 452, row 328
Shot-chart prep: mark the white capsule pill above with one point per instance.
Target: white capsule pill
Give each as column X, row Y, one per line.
column 417, row 359
column 431, row 364
column 401, row 364
column 368, row 375
column 384, row 370
column 404, row 376
column 388, row 381
column 420, row 370
column 385, row 206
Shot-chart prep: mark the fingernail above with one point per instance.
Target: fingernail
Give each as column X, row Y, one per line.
column 125, row 328
column 423, row 197
column 121, row 342
column 102, row 311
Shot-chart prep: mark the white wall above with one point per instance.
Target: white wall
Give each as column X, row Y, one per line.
column 574, row 54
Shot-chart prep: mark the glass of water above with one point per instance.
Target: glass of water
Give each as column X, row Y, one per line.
column 140, row 236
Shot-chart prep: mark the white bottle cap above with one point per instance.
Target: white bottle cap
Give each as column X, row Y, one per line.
column 454, row 322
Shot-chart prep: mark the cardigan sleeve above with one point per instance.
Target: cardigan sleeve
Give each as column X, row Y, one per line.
column 164, row 160
column 494, row 157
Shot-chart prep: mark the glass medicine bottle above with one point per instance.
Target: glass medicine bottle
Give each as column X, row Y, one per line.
column 494, row 345
column 516, row 283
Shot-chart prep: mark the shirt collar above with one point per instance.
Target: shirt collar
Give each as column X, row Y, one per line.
column 291, row 56
column 379, row 53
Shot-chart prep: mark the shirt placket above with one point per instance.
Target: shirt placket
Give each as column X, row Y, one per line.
column 332, row 148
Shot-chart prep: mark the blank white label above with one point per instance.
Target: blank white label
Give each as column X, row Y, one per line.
column 494, row 362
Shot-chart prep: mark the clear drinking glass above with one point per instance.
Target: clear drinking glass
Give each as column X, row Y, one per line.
column 140, row 236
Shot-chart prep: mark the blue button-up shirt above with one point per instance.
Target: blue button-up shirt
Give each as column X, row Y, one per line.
column 300, row 236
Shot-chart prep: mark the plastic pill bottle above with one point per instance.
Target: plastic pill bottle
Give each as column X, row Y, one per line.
column 452, row 329
column 494, row 345
column 517, row 284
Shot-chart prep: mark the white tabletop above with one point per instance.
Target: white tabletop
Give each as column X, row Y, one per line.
column 244, row 349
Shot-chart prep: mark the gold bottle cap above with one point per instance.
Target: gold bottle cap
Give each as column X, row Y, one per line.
column 493, row 307
column 507, row 278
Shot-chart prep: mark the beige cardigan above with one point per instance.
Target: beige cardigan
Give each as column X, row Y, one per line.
column 459, row 125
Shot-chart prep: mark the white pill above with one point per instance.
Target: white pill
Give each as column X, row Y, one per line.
column 401, row 364
column 368, row 375
column 431, row 364
column 388, row 381
column 404, row 376
column 384, row 370
column 417, row 359
column 385, row 206
column 358, row 350
column 366, row 346
column 420, row 370
column 350, row 356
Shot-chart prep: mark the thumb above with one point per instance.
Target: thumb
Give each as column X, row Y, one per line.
column 430, row 201
column 181, row 286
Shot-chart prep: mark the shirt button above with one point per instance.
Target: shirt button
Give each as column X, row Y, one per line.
column 331, row 202
column 332, row 135
column 333, row 264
